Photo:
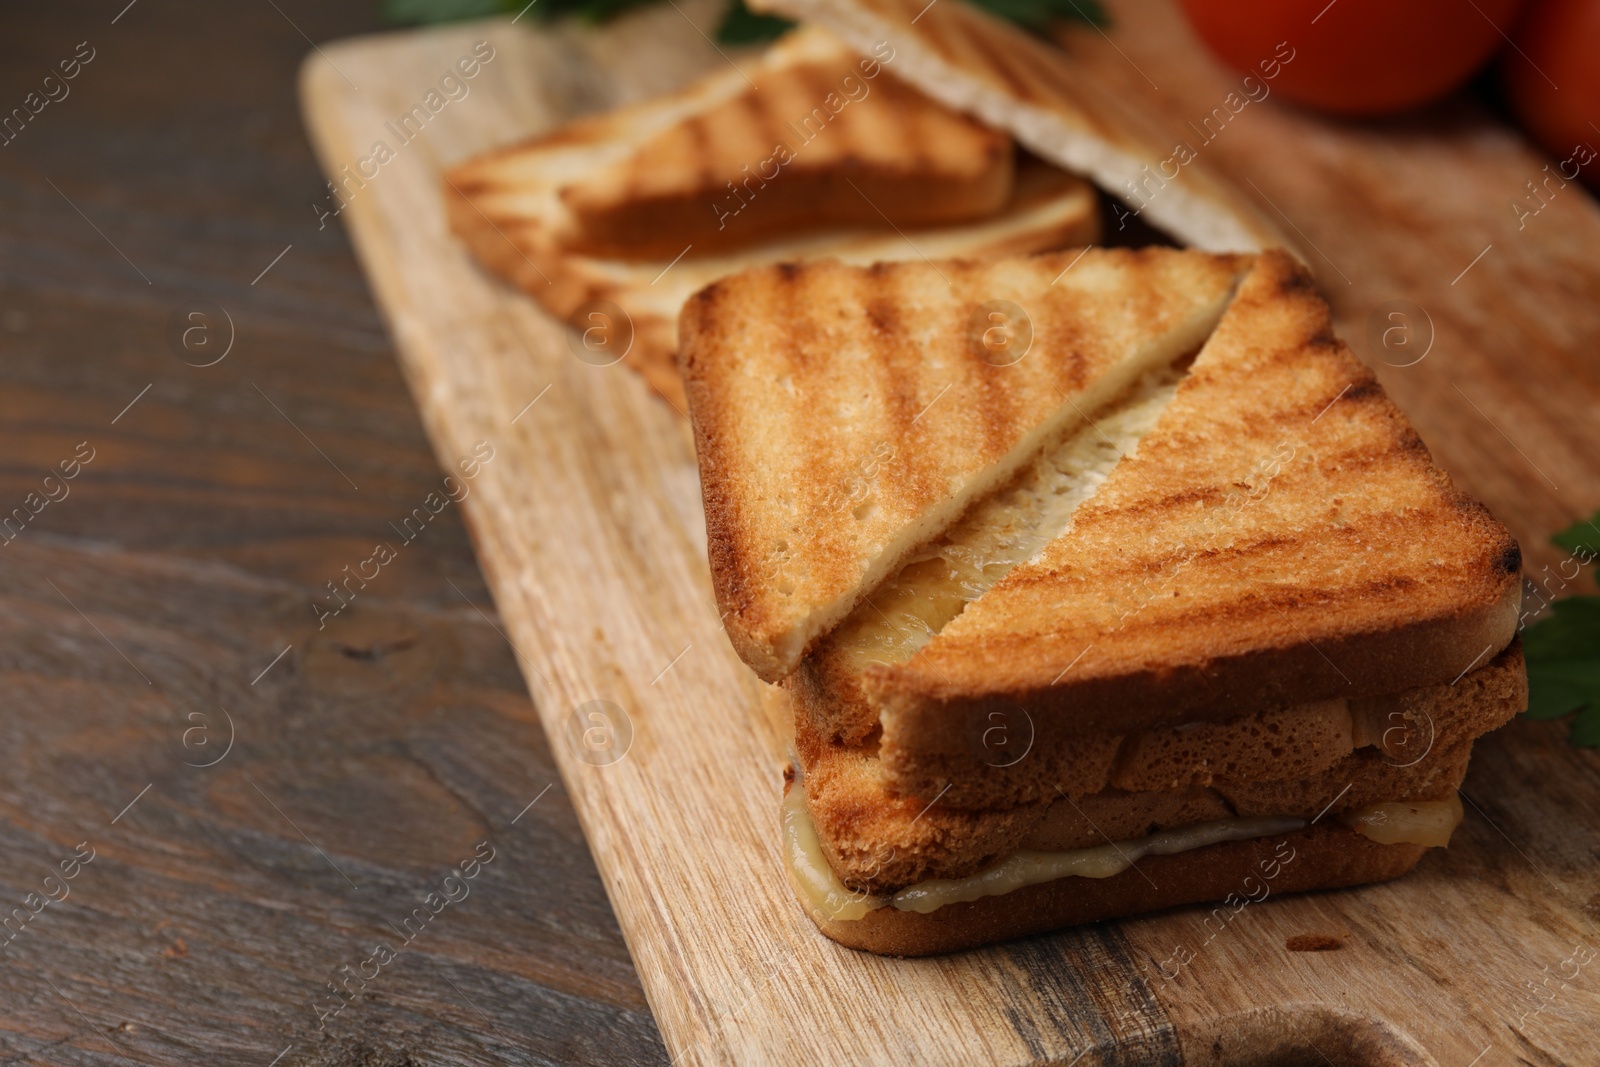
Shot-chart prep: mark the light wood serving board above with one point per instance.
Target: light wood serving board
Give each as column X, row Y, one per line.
column 588, row 524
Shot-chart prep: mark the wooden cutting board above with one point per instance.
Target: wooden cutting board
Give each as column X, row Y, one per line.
column 588, row 524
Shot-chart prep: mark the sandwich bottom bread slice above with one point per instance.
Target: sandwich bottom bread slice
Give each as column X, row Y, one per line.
column 1239, row 811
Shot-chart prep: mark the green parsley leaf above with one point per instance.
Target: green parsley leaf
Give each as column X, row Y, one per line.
column 1563, row 650
column 1582, row 539
column 1037, row 15
column 421, row 11
column 412, row 11
column 1557, row 689
column 740, row 25
column 1586, row 728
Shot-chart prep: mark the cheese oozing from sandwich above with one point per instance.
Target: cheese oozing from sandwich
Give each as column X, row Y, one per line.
column 1000, row 532
column 1425, row 822
column 1410, row 822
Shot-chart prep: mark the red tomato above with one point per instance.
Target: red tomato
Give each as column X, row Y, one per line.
column 1355, row 57
column 1553, row 80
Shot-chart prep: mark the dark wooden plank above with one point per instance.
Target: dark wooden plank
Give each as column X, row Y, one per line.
column 185, row 556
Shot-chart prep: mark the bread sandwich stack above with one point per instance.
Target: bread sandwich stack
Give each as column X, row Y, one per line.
column 1115, row 602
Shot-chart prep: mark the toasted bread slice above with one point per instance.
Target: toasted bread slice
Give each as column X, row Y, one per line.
column 1280, row 536
column 1019, row 759
column 844, row 416
column 997, row 533
column 1324, row 856
column 979, row 64
column 878, row 838
column 505, row 207
column 815, row 137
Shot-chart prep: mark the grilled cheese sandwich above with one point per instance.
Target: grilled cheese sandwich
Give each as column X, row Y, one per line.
column 1294, row 637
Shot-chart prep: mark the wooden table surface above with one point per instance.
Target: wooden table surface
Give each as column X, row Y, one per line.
column 265, row 800
column 145, row 609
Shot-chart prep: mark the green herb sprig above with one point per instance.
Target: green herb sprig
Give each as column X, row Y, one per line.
column 739, row 24
column 1563, row 650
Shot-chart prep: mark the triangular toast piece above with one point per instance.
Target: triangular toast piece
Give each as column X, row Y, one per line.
column 504, row 206
column 1280, row 536
column 976, row 62
column 814, row 137
column 846, row 415
column 517, row 207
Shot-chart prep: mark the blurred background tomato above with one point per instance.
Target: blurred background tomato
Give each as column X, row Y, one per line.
column 1552, row 81
column 1358, row 57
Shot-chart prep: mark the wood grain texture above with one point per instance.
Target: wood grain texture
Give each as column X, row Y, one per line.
column 588, row 527
column 196, row 540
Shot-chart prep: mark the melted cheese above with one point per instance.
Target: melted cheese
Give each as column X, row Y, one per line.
column 1002, row 531
column 1417, row 822
column 820, row 888
column 809, row 870
column 1408, row 822
column 1025, row 868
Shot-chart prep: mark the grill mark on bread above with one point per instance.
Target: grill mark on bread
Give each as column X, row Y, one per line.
column 994, row 407
column 513, row 221
column 751, row 116
column 824, row 148
column 1454, row 580
column 912, row 150
column 703, row 304
column 1058, row 328
column 1291, row 279
column 879, row 314
column 1365, row 388
column 1052, row 81
column 993, row 400
column 897, row 370
column 763, row 119
column 691, row 147
column 1003, row 65
column 891, row 336
column 1163, row 505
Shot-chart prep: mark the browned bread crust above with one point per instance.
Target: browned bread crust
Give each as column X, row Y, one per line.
column 977, row 63
column 845, row 415
column 879, row 843
column 1281, row 536
column 503, row 205
column 1019, row 759
column 880, row 840
column 825, row 139
column 1325, row 856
